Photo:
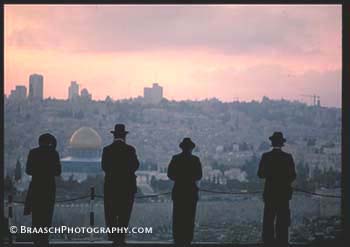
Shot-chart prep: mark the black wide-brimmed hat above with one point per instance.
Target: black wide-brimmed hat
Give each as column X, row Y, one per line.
column 187, row 143
column 119, row 129
column 277, row 137
column 47, row 140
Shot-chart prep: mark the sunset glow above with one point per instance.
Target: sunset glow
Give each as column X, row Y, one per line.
column 194, row 52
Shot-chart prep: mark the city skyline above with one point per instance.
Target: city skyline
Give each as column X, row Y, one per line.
column 194, row 52
column 152, row 95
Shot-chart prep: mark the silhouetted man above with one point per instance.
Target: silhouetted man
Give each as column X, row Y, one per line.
column 43, row 165
column 184, row 169
column 278, row 170
column 119, row 162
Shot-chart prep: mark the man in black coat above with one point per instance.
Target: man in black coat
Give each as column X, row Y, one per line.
column 119, row 162
column 278, row 169
column 43, row 164
column 184, row 169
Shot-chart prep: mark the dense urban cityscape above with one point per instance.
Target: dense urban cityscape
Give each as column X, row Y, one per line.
column 230, row 139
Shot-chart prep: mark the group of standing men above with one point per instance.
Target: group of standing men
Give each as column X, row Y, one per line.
column 120, row 162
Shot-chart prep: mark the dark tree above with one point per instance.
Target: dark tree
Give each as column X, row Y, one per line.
column 8, row 185
column 18, row 171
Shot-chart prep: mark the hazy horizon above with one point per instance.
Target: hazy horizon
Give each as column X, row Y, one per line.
column 194, row 52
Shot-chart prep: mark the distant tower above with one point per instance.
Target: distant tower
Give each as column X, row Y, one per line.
column 19, row 94
column 36, row 87
column 84, row 94
column 73, row 90
column 318, row 101
column 109, row 99
column 153, row 94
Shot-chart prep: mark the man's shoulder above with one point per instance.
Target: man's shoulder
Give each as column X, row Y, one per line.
column 35, row 150
column 119, row 145
column 105, row 148
column 130, row 147
column 38, row 151
column 177, row 156
column 195, row 157
column 54, row 152
column 268, row 153
column 182, row 155
column 286, row 154
column 274, row 152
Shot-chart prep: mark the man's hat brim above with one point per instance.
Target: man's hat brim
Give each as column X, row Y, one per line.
column 187, row 144
column 118, row 132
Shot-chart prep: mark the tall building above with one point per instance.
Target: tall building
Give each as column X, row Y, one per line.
column 73, row 90
column 19, row 94
column 153, row 94
column 84, row 94
column 36, row 87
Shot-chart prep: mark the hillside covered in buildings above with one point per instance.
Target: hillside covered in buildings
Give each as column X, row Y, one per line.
column 228, row 135
column 230, row 139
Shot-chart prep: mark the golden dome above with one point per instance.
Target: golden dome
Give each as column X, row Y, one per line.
column 85, row 138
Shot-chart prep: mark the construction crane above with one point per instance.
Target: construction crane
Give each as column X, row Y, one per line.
column 316, row 99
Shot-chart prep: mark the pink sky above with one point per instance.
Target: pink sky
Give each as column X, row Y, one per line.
column 194, row 52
